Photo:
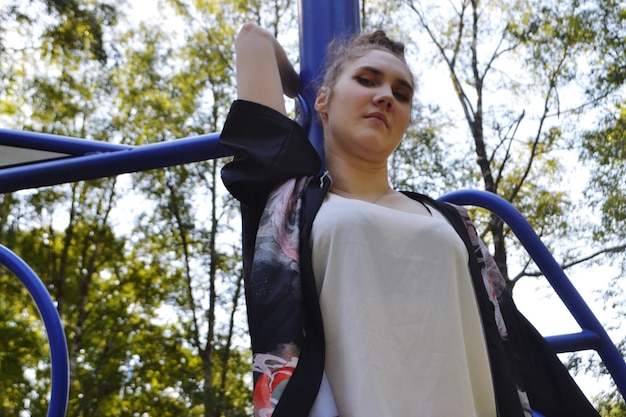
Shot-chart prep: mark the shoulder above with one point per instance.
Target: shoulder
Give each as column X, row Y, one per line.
column 457, row 216
column 447, row 209
column 268, row 149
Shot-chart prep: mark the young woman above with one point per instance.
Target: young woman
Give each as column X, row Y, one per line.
column 362, row 300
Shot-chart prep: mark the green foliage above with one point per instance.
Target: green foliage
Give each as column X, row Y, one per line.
column 605, row 148
column 612, row 405
column 78, row 27
column 22, row 348
column 422, row 160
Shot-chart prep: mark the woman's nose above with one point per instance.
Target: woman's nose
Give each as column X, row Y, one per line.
column 384, row 97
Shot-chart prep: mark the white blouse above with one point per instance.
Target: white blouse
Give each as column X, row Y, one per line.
column 402, row 327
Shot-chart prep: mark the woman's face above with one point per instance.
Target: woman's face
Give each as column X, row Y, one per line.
column 367, row 112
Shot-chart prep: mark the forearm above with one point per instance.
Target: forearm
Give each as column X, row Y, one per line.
column 290, row 79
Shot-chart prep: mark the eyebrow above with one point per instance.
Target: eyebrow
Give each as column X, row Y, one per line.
column 376, row 71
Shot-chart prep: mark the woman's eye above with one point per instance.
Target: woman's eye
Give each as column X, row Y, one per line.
column 365, row 81
column 403, row 98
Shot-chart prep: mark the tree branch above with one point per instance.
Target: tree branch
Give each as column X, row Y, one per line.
column 564, row 266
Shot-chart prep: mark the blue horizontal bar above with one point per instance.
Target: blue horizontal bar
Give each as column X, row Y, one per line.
column 574, row 342
column 111, row 163
column 56, row 143
column 60, row 386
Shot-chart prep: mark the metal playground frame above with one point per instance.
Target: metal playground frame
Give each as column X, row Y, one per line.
column 63, row 159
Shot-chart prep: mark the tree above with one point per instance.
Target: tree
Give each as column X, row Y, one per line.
column 195, row 258
column 476, row 43
column 111, row 295
column 60, row 35
column 602, row 148
column 603, row 145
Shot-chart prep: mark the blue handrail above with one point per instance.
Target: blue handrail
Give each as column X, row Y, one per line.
column 60, row 385
column 56, row 143
column 593, row 336
column 106, row 163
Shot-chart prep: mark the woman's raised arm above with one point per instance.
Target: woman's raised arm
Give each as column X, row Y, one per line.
column 264, row 72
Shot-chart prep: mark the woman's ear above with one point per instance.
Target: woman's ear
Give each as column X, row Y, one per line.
column 321, row 101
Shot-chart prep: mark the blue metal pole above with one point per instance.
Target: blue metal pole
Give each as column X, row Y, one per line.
column 110, row 163
column 56, row 143
column 60, row 386
column 320, row 22
column 553, row 272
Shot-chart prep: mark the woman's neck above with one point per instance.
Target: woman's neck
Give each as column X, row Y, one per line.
column 363, row 181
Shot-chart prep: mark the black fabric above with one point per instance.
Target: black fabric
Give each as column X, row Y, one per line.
column 525, row 357
column 264, row 143
column 270, row 148
column 250, row 177
column 302, row 389
column 550, row 387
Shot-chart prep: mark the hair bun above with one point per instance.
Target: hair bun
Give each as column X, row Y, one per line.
column 380, row 38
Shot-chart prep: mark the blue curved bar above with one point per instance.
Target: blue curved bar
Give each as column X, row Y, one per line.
column 593, row 335
column 60, row 386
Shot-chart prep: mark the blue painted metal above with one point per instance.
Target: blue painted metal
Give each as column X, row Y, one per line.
column 593, row 335
column 56, row 143
column 320, row 22
column 109, row 163
column 60, row 385
column 573, row 342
